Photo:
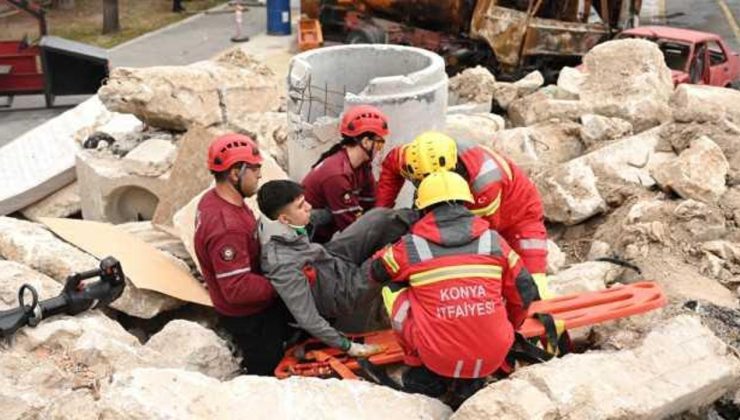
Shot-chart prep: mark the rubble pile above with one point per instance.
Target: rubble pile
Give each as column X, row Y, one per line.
column 634, row 175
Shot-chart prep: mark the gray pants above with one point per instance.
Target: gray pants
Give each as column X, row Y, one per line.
column 363, row 238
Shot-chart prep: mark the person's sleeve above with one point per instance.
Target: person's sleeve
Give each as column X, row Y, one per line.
column 388, row 265
column 342, row 201
column 390, row 181
column 294, row 290
column 233, row 272
column 518, row 289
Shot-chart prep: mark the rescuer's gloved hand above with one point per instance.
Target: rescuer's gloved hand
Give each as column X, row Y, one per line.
column 364, row 350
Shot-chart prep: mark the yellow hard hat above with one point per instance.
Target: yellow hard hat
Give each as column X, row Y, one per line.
column 442, row 186
column 431, row 151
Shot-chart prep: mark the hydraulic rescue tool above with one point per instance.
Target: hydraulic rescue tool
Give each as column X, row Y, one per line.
column 77, row 296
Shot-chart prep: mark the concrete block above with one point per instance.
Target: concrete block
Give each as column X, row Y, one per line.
column 590, row 276
column 189, row 174
column 111, row 193
column 473, row 85
column 569, row 193
column 13, row 275
column 42, row 160
column 151, row 158
column 540, row 145
column 569, row 82
column 679, row 366
column 705, row 103
column 477, row 128
column 408, row 84
column 62, row 203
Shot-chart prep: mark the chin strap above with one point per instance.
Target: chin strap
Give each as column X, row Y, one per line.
column 238, row 184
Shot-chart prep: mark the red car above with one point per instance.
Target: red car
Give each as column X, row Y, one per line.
column 693, row 56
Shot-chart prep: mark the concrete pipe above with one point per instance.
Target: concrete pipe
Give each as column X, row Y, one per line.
column 408, row 84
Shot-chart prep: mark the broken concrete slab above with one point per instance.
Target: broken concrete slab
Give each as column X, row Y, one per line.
column 679, row 366
column 504, row 93
column 33, row 245
column 176, row 97
column 584, row 277
column 111, row 192
column 478, row 128
column 529, row 83
column 151, row 158
column 569, row 82
column 698, row 173
column 540, row 145
column 628, row 79
column 539, row 107
column 270, row 130
column 189, row 175
column 473, row 85
column 596, row 128
column 555, row 257
column 195, row 348
column 569, row 193
column 192, row 395
column 42, row 160
column 63, row 203
column 14, row 275
column 705, row 103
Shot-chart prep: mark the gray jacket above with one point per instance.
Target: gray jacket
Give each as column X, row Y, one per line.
column 339, row 288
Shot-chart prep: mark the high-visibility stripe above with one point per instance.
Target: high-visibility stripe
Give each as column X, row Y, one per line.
column 489, row 209
column 478, row 366
column 501, row 162
column 401, row 315
column 533, row 244
column 390, row 259
column 233, row 273
column 489, row 172
column 347, row 210
column 455, row 272
column 458, row 369
column 484, row 243
column 422, row 248
column 513, row 258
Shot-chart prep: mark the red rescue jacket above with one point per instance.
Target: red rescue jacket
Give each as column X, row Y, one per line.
column 468, row 291
column 503, row 194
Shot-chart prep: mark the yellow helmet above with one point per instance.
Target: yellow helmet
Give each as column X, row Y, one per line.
column 431, row 151
column 442, row 186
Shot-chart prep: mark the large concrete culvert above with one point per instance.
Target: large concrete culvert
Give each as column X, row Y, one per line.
column 408, row 84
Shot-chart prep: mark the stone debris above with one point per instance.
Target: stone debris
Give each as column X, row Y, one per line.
column 596, row 128
column 569, row 193
column 475, row 85
column 569, row 83
column 703, row 103
column 628, row 79
column 590, row 276
column 539, row 146
column 679, row 366
column 698, row 173
column 63, row 203
column 539, row 107
column 478, row 128
column 555, row 257
column 14, row 275
column 33, row 245
column 151, row 158
column 270, row 130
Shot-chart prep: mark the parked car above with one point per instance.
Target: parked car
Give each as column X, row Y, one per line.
column 693, row 56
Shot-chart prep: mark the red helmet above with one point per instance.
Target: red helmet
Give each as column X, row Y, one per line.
column 229, row 149
column 363, row 119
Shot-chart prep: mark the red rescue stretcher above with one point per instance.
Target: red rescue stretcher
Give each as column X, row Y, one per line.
column 573, row 311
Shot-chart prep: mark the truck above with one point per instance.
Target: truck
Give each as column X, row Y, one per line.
column 693, row 56
column 509, row 37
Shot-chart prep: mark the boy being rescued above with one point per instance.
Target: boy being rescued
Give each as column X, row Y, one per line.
column 326, row 282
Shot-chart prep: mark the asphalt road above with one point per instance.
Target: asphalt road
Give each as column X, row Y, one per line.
column 719, row 16
column 196, row 38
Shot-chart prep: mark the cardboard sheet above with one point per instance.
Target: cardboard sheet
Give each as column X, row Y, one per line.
column 146, row 267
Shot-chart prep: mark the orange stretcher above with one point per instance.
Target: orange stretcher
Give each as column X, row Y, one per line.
column 574, row 311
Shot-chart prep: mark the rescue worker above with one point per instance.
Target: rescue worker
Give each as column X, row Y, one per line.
column 457, row 290
column 228, row 250
column 341, row 181
column 502, row 193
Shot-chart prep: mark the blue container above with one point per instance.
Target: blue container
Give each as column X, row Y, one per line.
column 278, row 17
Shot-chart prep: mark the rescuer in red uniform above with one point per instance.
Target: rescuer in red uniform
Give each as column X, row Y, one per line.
column 457, row 290
column 502, row 193
column 228, row 251
column 342, row 181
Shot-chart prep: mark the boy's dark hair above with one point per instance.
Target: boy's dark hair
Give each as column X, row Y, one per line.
column 273, row 196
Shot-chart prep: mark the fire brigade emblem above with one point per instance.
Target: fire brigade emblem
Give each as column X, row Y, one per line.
column 228, row 253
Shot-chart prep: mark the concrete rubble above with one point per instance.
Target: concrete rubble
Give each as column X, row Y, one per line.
column 628, row 167
column 679, row 366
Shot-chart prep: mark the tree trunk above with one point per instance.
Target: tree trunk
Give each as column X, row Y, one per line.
column 63, row 4
column 110, row 16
